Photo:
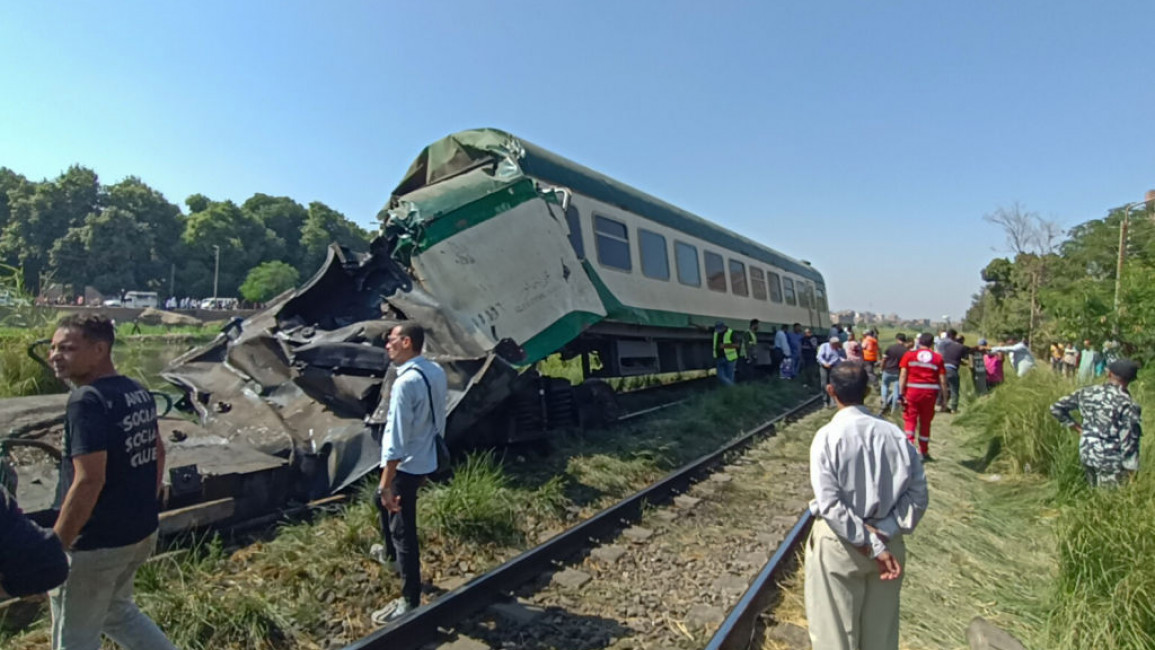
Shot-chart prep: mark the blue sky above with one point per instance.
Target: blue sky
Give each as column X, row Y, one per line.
column 869, row 138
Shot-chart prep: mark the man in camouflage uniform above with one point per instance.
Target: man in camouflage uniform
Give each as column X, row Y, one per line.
column 1109, row 443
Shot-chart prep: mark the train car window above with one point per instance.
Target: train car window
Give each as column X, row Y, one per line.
column 655, row 255
column 804, row 294
column 757, row 283
column 613, row 241
column 686, row 256
column 820, row 299
column 574, row 222
column 738, row 278
column 788, row 291
column 715, row 272
column 775, row 286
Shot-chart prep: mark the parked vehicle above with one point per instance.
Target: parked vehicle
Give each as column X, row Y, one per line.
column 141, row 299
column 219, row 303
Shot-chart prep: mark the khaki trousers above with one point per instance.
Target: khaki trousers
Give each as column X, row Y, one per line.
column 848, row 606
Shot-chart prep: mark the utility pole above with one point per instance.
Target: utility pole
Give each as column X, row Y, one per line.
column 1148, row 201
column 172, row 281
column 216, row 271
column 1122, row 253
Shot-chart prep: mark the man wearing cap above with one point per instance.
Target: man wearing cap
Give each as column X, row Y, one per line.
column 725, row 353
column 830, row 354
column 1111, row 427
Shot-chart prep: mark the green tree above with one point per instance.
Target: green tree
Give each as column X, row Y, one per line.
column 269, row 280
column 324, row 226
column 283, row 217
column 9, row 180
column 132, row 242
column 41, row 213
column 243, row 242
column 197, row 202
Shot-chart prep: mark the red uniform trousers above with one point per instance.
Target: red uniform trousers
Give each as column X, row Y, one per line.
column 919, row 411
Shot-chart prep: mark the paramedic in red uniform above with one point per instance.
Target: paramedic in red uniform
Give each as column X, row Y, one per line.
column 922, row 374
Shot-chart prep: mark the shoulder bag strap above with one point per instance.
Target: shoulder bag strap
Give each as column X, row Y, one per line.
column 429, row 391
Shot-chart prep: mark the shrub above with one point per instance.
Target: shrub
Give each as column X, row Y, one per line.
column 476, row 505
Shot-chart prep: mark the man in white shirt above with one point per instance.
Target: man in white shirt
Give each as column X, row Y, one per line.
column 869, row 491
column 1021, row 358
column 408, row 454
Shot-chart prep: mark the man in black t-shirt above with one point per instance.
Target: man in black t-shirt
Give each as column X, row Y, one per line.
column 890, row 373
column 110, row 476
column 954, row 354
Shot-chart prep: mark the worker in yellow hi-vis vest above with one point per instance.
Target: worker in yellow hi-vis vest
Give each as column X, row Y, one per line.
column 725, row 352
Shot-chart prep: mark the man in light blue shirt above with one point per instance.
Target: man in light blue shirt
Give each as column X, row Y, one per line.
column 830, row 354
column 415, row 417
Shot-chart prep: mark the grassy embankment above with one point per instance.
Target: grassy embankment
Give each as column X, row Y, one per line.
column 312, row 581
column 1103, row 595
column 1014, row 535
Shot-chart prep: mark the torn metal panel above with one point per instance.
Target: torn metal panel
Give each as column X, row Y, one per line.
column 300, row 379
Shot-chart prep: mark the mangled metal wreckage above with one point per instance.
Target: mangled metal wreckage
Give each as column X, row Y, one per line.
column 483, row 243
column 302, row 379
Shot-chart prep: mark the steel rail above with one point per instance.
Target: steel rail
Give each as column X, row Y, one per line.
column 647, row 411
column 737, row 631
column 422, row 625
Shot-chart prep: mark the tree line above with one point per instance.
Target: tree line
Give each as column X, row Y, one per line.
column 1061, row 287
column 74, row 231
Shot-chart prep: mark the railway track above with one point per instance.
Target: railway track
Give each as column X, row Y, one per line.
column 427, row 624
column 737, row 631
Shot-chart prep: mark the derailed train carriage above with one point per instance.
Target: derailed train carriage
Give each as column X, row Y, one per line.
column 508, row 254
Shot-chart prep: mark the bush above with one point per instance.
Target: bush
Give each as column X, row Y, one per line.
column 476, row 505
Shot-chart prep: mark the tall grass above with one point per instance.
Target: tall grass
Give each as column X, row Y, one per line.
column 479, row 505
column 1104, row 595
column 21, row 325
column 1017, row 418
column 19, row 374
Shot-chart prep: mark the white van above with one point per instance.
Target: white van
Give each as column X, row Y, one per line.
column 140, row 299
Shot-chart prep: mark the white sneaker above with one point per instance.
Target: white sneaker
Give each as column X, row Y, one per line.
column 377, row 552
column 392, row 612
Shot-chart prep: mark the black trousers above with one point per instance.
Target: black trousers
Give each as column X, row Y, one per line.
column 400, row 533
